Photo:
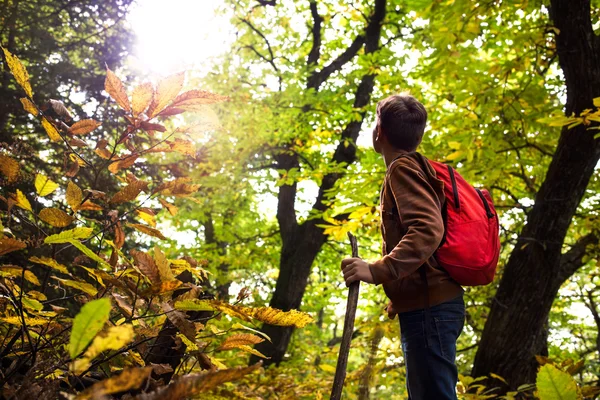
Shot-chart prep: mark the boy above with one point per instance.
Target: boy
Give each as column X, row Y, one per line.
column 428, row 302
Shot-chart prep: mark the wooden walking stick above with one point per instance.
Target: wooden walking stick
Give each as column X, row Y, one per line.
column 340, row 370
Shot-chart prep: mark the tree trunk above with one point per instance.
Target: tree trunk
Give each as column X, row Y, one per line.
column 534, row 272
column 301, row 243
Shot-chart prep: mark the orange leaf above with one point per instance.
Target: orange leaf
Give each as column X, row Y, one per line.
column 84, row 126
column 147, row 265
column 241, row 339
column 193, row 100
column 119, row 236
column 141, row 97
column 129, row 192
column 8, row 245
column 90, row 206
column 74, row 196
column 10, row 168
column 56, row 217
column 170, row 207
column 123, row 163
column 114, row 87
column 131, row 378
column 166, row 91
column 178, row 319
column 29, row 106
column 148, row 230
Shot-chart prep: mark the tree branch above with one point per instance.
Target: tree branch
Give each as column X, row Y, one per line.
column 572, row 260
column 315, row 51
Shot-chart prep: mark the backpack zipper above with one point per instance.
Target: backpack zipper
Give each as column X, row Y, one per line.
column 454, row 188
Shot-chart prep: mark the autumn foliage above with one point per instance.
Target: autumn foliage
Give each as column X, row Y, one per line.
column 85, row 296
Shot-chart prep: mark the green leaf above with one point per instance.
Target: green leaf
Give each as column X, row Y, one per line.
column 554, row 384
column 88, row 252
column 87, row 324
column 68, row 236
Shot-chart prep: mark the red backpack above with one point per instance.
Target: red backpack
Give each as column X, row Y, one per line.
column 471, row 245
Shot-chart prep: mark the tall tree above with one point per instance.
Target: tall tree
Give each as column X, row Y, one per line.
column 537, row 266
column 67, row 45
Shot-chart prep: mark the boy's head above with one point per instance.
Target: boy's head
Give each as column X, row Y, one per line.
column 401, row 119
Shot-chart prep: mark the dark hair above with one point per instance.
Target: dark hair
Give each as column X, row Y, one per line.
column 402, row 120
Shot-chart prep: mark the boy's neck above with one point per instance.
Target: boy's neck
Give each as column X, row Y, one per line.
column 390, row 154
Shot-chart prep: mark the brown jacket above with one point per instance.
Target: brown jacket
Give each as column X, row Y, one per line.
column 412, row 228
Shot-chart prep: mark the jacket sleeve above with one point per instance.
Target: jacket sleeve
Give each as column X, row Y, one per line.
column 420, row 213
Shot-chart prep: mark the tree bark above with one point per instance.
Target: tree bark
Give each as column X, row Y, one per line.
column 534, row 272
column 302, row 242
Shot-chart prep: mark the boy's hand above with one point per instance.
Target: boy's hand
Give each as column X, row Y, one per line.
column 355, row 269
column 391, row 311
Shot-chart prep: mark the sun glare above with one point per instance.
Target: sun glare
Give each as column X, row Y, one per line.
column 177, row 34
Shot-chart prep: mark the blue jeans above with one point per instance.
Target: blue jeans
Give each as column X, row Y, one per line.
column 430, row 353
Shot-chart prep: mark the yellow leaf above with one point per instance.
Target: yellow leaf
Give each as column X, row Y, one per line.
column 115, row 338
column 597, row 102
column 327, row 368
column 170, row 207
column 50, row 262
column 29, row 106
column 455, row 155
column 148, row 218
column 83, row 286
column 8, row 245
column 19, row 71
column 188, row 385
column 67, row 236
column 84, row 126
column 74, row 196
column 17, row 272
column 185, row 147
column 163, row 265
column 178, row 187
column 50, row 130
column 131, row 378
column 9, row 168
column 22, row 201
column 44, row 186
column 166, row 91
column 148, row 230
column 166, row 287
column 75, row 158
column 251, row 350
column 271, row 316
column 141, row 98
column 129, row 192
column 146, row 264
column 56, row 217
column 114, row 87
column 29, row 321
column 34, row 294
column 234, row 341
